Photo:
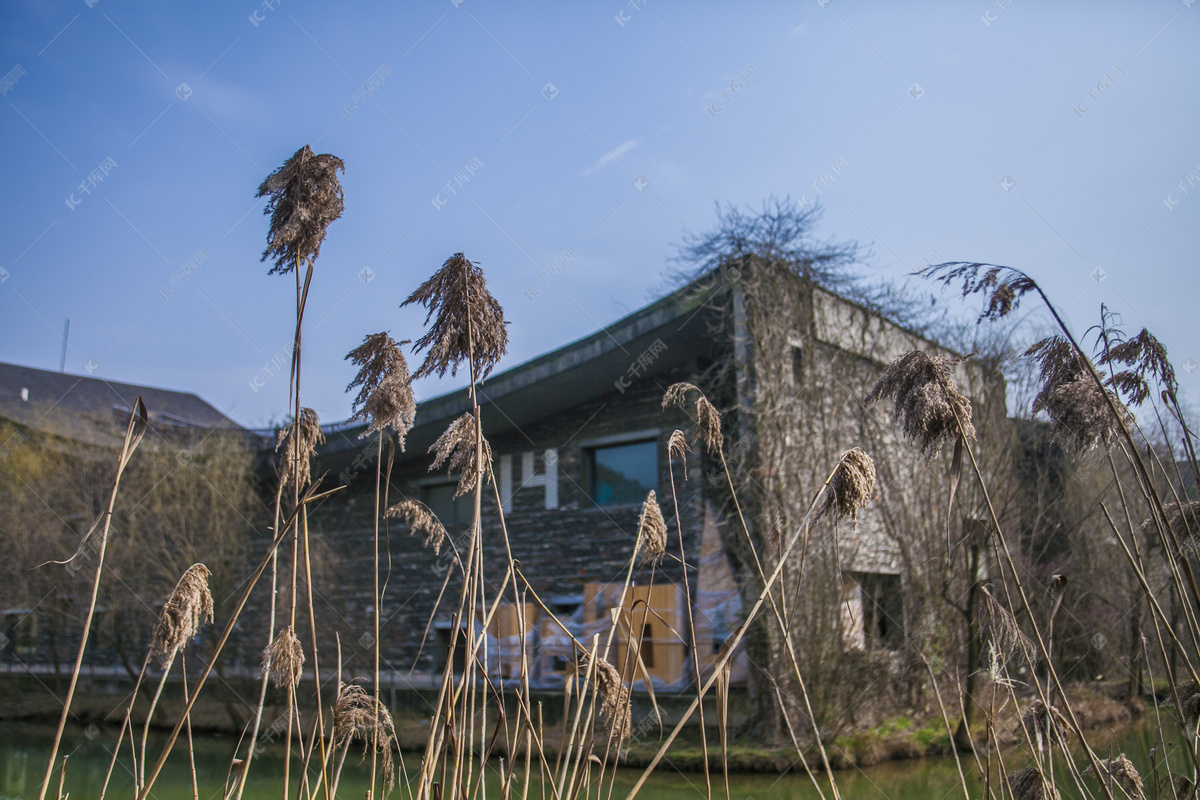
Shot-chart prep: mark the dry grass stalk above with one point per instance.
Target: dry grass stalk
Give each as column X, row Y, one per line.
column 925, row 400
column 468, row 323
column 283, row 659
column 1043, row 725
column 1029, row 784
column 850, row 487
column 654, row 531
column 455, row 449
column 419, row 517
column 385, row 396
column 189, row 604
column 615, row 706
column 1120, row 770
column 298, row 443
column 708, row 419
column 305, row 197
column 677, row 447
column 359, row 716
column 1079, row 414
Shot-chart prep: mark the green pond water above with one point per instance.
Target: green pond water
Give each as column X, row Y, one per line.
column 24, row 748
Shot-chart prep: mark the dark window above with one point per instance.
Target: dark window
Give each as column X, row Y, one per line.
column 452, row 512
column 797, row 367
column 648, row 646
column 883, row 610
column 624, row 473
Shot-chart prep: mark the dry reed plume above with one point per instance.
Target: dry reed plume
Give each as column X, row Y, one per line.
column 468, row 323
column 305, row 197
column 654, row 531
column 385, row 397
column 455, row 449
column 850, row 486
column 1002, row 632
column 419, row 517
column 1184, row 521
column 708, row 419
column 1028, row 784
column 283, row 659
column 1001, row 287
column 359, row 716
column 615, row 707
column 1079, row 414
column 1043, row 725
column 298, row 443
column 186, row 608
column 1142, row 355
column 925, row 400
column 1189, row 701
column 677, row 447
column 1120, row 770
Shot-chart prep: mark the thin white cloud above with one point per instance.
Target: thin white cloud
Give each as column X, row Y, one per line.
column 610, row 158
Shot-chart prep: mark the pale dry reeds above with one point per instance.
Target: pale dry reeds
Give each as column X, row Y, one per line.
column 188, row 605
column 925, row 400
column 298, row 443
column 1120, row 770
column 1143, row 356
column 1044, row 725
column 1079, row 413
column 419, row 517
column 1029, row 784
column 283, row 659
column 850, row 487
column 455, row 449
column 468, row 323
column 615, row 705
column 305, row 196
column 385, row 396
column 708, row 419
column 654, row 531
column 359, row 716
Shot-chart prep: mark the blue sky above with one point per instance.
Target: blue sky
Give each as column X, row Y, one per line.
column 1063, row 140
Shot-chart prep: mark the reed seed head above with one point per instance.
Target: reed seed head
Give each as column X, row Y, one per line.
column 468, row 322
column 1002, row 287
column 385, row 396
column 188, row 605
column 298, row 443
column 615, row 706
column 1043, row 725
column 850, row 488
column 1189, row 701
column 359, row 716
column 708, row 419
column 1143, row 355
column 677, row 447
column 654, row 531
column 1120, row 770
column 1183, row 520
column 283, row 659
column 1029, row 784
column 305, row 196
column 419, row 517
column 1079, row 414
column 925, row 400
column 455, row 449
column 1003, row 634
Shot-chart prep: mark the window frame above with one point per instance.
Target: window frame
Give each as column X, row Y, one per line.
column 588, row 449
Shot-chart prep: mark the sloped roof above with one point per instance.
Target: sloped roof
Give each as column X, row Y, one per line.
column 94, row 410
